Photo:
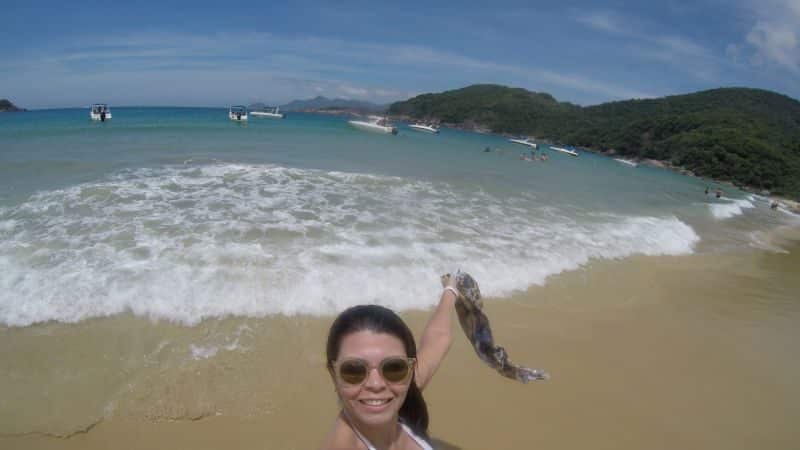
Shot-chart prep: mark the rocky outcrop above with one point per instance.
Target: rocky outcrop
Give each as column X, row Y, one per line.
column 7, row 106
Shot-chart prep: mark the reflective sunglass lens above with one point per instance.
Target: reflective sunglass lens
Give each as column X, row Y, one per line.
column 395, row 370
column 353, row 372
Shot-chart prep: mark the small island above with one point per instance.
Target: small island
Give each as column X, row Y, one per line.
column 7, row 106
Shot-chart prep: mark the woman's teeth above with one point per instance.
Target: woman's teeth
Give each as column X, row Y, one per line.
column 375, row 402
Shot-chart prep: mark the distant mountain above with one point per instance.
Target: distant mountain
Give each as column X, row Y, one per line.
column 7, row 106
column 748, row 136
column 326, row 104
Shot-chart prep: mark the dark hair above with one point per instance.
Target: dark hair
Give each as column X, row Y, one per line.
column 378, row 319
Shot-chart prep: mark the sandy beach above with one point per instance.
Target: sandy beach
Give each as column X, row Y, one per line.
column 648, row 352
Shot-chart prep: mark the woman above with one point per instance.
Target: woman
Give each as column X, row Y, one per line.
column 379, row 375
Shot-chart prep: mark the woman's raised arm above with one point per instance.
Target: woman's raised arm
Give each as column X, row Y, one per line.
column 438, row 334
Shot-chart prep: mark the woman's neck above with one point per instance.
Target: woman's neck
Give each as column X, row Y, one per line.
column 380, row 436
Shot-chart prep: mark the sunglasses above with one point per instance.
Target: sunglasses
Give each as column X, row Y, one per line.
column 394, row 369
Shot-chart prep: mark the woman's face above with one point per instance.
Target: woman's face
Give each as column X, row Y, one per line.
column 375, row 401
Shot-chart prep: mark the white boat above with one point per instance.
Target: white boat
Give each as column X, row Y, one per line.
column 627, row 161
column 525, row 141
column 564, row 150
column 376, row 123
column 100, row 111
column 424, row 127
column 237, row 113
column 271, row 113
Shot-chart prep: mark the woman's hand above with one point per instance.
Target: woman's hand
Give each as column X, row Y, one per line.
column 449, row 281
column 450, row 284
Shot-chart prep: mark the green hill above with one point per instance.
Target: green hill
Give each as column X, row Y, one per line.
column 748, row 136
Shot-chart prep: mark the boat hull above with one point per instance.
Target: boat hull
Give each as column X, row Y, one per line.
column 564, row 150
column 95, row 116
column 532, row 145
column 627, row 162
column 267, row 115
column 237, row 117
column 375, row 128
column 424, row 129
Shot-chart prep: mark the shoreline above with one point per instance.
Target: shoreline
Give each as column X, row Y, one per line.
column 643, row 352
column 791, row 204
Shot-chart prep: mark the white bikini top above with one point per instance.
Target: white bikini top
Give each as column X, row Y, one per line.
column 421, row 442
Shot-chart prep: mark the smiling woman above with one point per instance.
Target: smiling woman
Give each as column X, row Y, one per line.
column 379, row 375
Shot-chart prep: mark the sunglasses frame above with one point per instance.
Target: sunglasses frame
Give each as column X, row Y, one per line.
column 335, row 367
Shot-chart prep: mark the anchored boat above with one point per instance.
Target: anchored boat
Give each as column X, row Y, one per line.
column 627, row 162
column 237, row 113
column 270, row 113
column 526, row 142
column 424, row 127
column 564, row 150
column 100, row 111
column 375, row 123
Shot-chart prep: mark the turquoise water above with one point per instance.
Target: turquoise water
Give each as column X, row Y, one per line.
column 181, row 214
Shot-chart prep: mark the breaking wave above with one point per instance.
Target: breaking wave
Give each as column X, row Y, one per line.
column 184, row 243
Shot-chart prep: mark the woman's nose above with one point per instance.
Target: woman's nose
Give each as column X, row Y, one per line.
column 375, row 380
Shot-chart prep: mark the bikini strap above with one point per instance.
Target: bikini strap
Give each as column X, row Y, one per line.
column 422, row 443
column 358, row 433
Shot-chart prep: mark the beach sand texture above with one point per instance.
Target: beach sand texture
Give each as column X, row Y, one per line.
column 647, row 352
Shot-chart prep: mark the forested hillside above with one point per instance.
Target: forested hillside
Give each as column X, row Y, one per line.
column 748, row 136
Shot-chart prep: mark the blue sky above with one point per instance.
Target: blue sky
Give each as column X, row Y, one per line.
column 198, row 53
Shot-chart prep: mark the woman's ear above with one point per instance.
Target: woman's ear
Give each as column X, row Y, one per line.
column 335, row 384
column 331, row 373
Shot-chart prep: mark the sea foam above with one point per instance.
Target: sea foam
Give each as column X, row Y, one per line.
column 731, row 208
column 184, row 243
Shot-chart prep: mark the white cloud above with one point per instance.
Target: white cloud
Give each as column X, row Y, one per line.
column 677, row 51
column 681, row 46
column 159, row 68
column 605, row 21
column 774, row 37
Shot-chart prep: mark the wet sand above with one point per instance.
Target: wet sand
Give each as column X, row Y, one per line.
column 649, row 352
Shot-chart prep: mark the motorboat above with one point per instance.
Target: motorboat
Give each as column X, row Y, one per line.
column 424, row 127
column 100, row 111
column 237, row 113
column 526, row 142
column 564, row 150
column 270, row 113
column 627, row 162
column 375, row 123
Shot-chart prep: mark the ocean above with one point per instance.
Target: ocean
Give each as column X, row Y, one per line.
column 180, row 214
column 160, row 235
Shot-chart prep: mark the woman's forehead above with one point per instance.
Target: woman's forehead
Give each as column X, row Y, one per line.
column 370, row 345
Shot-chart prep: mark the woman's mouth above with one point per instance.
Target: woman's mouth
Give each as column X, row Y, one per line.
column 375, row 404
